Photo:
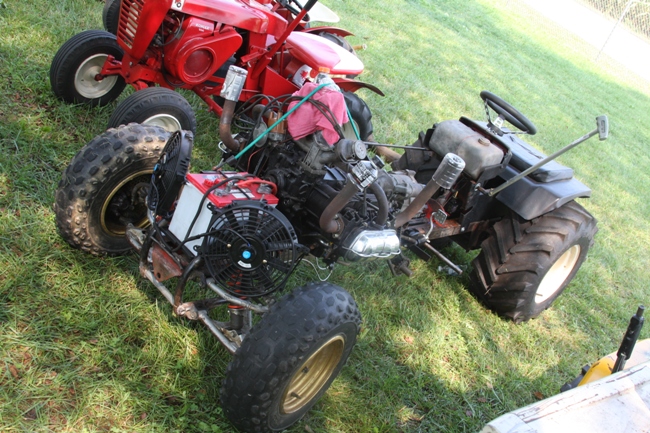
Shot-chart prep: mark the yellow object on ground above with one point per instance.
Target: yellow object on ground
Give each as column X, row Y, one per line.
column 617, row 402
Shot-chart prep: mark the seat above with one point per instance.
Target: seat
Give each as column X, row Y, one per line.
column 525, row 156
column 318, row 53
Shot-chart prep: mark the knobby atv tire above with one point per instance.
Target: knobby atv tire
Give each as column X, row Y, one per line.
column 111, row 15
column 360, row 113
column 78, row 61
column 290, row 358
column 155, row 106
column 525, row 265
column 105, row 186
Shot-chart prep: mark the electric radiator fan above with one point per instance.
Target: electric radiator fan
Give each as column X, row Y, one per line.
column 250, row 248
column 169, row 173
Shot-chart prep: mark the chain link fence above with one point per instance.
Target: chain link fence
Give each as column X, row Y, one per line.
column 634, row 14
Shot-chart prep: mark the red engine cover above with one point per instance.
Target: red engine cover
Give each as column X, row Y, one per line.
column 197, row 54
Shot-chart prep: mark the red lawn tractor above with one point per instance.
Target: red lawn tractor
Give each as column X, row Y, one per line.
column 163, row 45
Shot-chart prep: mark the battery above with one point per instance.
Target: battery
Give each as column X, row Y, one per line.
column 196, row 186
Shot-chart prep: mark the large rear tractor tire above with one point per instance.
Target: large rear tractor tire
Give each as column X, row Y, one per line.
column 75, row 67
column 290, row 358
column 525, row 265
column 105, row 187
column 156, row 106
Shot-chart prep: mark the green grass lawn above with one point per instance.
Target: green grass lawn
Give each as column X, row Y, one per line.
column 88, row 345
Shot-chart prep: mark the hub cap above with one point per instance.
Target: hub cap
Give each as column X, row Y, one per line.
column 166, row 121
column 312, row 375
column 84, row 78
column 557, row 275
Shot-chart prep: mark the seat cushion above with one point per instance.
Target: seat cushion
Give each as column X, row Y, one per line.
column 525, row 156
column 318, row 52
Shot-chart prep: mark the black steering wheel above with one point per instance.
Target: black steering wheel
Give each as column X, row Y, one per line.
column 509, row 113
column 293, row 9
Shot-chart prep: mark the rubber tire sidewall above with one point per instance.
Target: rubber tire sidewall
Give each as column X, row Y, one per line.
column 72, row 54
column 515, row 258
column 111, row 15
column 93, row 174
column 360, row 113
column 151, row 101
column 277, row 346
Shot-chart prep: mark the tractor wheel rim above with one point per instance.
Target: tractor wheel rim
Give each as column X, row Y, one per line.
column 166, row 121
column 84, row 78
column 116, row 226
column 557, row 275
column 312, row 375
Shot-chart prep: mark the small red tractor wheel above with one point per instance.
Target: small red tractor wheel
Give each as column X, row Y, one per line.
column 155, row 106
column 76, row 66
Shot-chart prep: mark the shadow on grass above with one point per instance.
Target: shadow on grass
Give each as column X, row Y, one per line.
column 86, row 343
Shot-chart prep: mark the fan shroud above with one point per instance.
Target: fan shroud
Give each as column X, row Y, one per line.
column 169, row 173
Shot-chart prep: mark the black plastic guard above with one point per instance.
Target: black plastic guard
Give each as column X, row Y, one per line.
column 530, row 199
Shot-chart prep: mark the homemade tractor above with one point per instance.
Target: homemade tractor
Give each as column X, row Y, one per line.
column 157, row 46
column 301, row 184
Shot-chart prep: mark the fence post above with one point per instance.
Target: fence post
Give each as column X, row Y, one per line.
column 625, row 11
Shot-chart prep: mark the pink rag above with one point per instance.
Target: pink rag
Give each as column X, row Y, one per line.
column 307, row 119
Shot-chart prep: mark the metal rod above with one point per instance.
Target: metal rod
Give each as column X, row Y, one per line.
column 229, row 345
column 625, row 11
column 602, row 129
column 182, row 281
column 372, row 143
column 546, row 160
column 145, row 272
column 443, row 258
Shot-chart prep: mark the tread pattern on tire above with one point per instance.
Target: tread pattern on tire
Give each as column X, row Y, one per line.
column 154, row 100
column 360, row 113
column 108, row 155
column 298, row 320
column 111, row 15
column 62, row 69
column 515, row 256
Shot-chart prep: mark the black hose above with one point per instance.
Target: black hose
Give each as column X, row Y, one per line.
column 382, row 202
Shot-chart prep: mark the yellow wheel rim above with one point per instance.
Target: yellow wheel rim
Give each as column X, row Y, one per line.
column 115, row 226
column 312, row 375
